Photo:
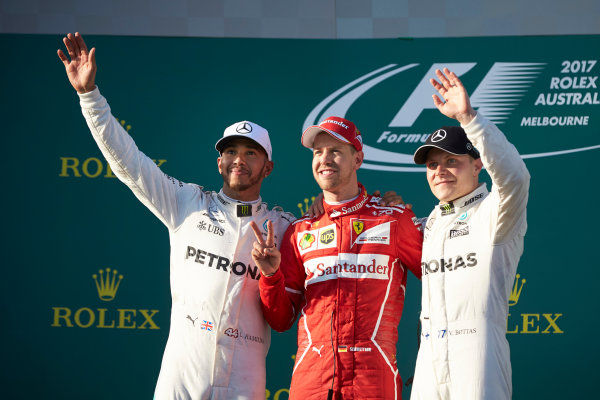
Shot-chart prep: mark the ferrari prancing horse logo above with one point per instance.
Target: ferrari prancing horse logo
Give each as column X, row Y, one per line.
column 358, row 226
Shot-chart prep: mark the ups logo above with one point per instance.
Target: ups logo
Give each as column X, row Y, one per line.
column 327, row 236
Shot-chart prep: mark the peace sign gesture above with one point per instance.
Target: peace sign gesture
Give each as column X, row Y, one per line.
column 265, row 253
column 455, row 103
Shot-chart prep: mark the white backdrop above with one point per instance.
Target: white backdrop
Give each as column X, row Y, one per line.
column 329, row 19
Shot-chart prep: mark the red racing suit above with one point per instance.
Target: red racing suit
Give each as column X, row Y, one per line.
column 345, row 274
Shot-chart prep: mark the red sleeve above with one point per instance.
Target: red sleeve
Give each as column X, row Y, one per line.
column 410, row 242
column 281, row 294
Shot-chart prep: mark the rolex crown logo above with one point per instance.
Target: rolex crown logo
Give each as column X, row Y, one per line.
column 304, row 207
column 107, row 285
column 516, row 291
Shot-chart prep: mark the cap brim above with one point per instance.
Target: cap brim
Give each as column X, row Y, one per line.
column 420, row 156
column 222, row 143
column 310, row 133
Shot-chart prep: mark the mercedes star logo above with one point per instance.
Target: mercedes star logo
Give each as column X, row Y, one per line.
column 244, row 127
column 438, row 135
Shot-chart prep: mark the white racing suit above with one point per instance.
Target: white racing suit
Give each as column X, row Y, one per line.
column 218, row 339
column 471, row 250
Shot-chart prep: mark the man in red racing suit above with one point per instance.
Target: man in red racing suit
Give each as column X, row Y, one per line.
column 345, row 274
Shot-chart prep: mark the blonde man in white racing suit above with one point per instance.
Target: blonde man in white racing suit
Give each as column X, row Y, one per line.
column 472, row 244
column 218, row 338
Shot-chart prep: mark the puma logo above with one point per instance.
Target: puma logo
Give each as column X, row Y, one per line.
column 193, row 320
column 318, row 350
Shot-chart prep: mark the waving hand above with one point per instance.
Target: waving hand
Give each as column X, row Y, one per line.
column 455, row 103
column 81, row 70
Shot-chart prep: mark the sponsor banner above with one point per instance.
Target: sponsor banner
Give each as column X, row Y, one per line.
column 347, row 265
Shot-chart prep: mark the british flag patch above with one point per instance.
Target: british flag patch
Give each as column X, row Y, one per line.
column 206, row 325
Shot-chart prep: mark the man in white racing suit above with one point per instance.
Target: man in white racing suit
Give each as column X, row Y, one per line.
column 472, row 244
column 218, row 338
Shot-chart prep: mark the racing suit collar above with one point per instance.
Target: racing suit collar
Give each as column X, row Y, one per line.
column 338, row 210
column 468, row 200
column 235, row 206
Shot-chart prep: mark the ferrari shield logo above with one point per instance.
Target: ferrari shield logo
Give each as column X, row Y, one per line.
column 358, row 226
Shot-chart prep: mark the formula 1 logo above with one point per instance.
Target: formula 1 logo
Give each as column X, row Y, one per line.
column 390, row 141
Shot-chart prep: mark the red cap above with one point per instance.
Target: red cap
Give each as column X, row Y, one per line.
column 340, row 128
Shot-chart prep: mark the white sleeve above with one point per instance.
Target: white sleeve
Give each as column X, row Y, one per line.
column 150, row 185
column 510, row 178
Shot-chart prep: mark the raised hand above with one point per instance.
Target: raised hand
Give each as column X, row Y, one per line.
column 456, row 102
column 265, row 253
column 81, row 70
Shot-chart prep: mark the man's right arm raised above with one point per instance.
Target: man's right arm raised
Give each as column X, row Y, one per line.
column 149, row 184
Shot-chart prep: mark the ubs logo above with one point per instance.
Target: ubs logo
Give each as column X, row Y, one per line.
column 215, row 230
